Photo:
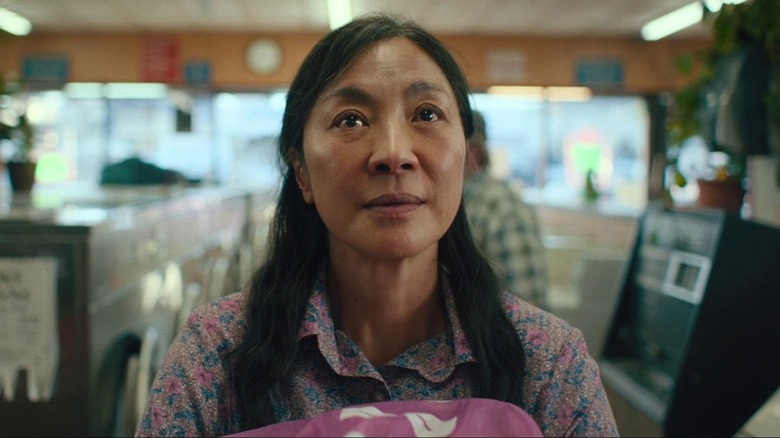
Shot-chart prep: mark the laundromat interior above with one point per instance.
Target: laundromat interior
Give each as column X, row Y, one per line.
column 651, row 158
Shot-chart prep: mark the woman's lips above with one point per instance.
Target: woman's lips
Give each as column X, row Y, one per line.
column 394, row 204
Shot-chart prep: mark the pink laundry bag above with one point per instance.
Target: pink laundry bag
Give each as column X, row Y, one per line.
column 473, row 417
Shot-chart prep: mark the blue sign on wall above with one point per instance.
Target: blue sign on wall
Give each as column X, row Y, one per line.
column 197, row 73
column 43, row 68
column 599, row 73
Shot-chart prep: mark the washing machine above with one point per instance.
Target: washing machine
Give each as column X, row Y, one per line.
column 100, row 289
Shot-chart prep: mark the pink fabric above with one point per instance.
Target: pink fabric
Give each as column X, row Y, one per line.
column 465, row 417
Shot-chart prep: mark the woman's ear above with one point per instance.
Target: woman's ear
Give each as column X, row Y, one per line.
column 301, row 177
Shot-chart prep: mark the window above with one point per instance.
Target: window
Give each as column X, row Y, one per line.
column 546, row 147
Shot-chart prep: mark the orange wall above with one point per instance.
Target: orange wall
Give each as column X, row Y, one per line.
column 117, row 57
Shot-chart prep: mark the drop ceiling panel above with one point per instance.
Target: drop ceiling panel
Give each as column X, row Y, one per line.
column 516, row 17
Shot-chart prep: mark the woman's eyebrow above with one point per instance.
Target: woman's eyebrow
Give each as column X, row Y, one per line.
column 350, row 94
column 423, row 87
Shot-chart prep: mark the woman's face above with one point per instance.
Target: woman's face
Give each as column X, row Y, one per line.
column 384, row 151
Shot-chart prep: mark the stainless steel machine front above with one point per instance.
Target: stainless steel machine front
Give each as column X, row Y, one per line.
column 121, row 270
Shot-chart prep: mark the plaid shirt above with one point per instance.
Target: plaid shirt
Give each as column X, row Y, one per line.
column 506, row 230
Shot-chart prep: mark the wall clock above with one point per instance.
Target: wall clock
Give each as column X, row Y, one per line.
column 263, row 56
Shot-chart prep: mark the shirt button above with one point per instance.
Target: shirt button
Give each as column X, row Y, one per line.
column 377, row 396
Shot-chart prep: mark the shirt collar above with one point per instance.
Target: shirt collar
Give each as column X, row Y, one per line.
column 434, row 359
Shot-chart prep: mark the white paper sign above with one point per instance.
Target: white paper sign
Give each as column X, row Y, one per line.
column 28, row 325
column 506, row 66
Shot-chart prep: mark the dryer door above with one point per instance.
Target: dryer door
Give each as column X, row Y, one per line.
column 130, row 401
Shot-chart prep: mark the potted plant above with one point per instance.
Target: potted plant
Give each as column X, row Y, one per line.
column 742, row 64
column 16, row 131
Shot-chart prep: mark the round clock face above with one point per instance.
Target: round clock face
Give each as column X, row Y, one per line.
column 263, row 56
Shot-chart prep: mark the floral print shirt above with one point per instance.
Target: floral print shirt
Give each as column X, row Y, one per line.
column 191, row 394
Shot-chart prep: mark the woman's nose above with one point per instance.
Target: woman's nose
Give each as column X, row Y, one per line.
column 393, row 152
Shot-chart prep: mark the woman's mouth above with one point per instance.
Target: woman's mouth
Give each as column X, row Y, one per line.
column 394, row 204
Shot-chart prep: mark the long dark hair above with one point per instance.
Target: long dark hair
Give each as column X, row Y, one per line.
column 298, row 245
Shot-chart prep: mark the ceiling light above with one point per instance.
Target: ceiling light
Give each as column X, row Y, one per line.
column 339, row 13
column 552, row 94
column 715, row 5
column 680, row 19
column 83, row 90
column 14, row 23
column 530, row 92
column 568, row 94
column 672, row 22
column 147, row 90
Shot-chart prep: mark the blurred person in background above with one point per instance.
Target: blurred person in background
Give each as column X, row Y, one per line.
column 504, row 226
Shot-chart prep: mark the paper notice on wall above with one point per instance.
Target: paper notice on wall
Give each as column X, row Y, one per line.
column 506, row 66
column 29, row 338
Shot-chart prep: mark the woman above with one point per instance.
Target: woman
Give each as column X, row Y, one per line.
column 373, row 288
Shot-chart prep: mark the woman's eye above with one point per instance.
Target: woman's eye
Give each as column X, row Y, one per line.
column 428, row 115
column 350, row 121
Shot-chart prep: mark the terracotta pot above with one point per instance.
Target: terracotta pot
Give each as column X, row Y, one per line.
column 21, row 175
column 726, row 195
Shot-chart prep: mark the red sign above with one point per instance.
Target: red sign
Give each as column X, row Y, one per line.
column 160, row 59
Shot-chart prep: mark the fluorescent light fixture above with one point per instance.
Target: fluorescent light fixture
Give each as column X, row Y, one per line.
column 119, row 90
column 672, row 22
column 339, row 12
column 680, row 19
column 116, row 90
column 715, row 5
column 568, row 94
column 14, row 23
column 530, row 92
column 83, row 90
column 552, row 94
